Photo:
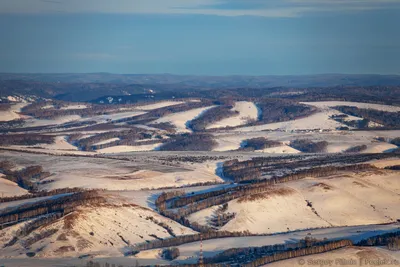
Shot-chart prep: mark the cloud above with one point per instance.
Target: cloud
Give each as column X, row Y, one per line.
column 264, row 8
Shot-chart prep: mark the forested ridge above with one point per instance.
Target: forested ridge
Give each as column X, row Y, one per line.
column 27, row 178
column 189, row 142
column 177, row 205
column 161, row 112
column 126, row 137
column 28, row 139
column 233, row 184
column 64, row 203
column 277, row 110
column 385, row 118
column 211, row 116
column 255, row 168
column 189, row 204
column 258, row 256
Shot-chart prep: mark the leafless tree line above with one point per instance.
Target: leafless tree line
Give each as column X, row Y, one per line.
column 278, row 256
column 390, row 240
column 388, row 119
column 42, row 194
column 28, row 139
column 290, row 164
column 63, row 204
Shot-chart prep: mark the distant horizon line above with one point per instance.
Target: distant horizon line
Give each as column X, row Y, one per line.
column 199, row 75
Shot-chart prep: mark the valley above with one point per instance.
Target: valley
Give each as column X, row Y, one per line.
column 151, row 182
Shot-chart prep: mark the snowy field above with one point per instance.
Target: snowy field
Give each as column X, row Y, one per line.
column 319, row 120
column 111, row 174
column 101, row 231
column 189, row 252
column 130, row 177
column 159, row 105
column 369, row 198
column 9, row 188
column 122, row 149
column 360, row 256
column 12, row 113
column 114, row 116
column 60, row 143
column 248, row 111
column 32, row 122
column 329, row 104
column 80, row 106
column 180, row 119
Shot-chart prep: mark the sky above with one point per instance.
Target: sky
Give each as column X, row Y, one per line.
column 202, row 37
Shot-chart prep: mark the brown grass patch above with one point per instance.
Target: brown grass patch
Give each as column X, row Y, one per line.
column 83, row 243
column 360, row 184
column 370, row 173
column 323, row 186
column 73, row 234
column 124, row 205
column 271, row 192
column 369, row 254
column 136, row 174
column 70, row 220
column 64, row 249
column 122, row 178
column 62, row 237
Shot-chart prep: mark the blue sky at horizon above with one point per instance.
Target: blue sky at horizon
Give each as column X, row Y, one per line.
column 204, row 37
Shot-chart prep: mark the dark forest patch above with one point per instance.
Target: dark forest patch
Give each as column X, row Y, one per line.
column 190, row 142
column 308, row 146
